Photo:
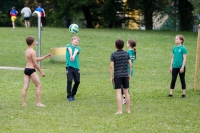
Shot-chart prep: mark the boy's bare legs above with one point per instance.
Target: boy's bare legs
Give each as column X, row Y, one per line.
column 13, row 24
column 36, row 80
column 127, row 96
column 26, row 24
column 25, row 88
column 119, row 101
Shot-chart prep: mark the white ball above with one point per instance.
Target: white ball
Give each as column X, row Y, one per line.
column 73, row 28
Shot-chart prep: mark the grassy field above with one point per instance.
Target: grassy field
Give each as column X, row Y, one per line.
column 93, row 110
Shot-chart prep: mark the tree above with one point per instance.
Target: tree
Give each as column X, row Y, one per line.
column 46, row 4
column 5, row 7
column 195, row 4
column 148, row 8
column 186, row 19
column 95, row 12
column 107, row 13
column 196, row 11
column 67, row 8
column 181, row 12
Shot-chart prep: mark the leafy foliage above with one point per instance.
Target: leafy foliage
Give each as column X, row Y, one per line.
column 148, row 8
column 196, row 4
column 5, row 7
column 196, row 12
column 104, row 13
column 186, row 19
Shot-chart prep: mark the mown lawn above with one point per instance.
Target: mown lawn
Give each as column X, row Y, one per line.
column 93, row 110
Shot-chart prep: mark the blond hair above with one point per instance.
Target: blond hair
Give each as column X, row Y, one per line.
column 75, row 37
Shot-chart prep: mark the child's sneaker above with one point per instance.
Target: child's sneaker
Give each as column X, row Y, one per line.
column 70, row 98
column 170, row 95
column 183, row 96
column 73, row 98
column 124, row 101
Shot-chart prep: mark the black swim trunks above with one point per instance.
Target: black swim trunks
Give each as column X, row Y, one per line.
column 29, row 71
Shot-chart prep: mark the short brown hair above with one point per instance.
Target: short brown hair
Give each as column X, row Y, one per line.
column 119, row 44
column 30, row 40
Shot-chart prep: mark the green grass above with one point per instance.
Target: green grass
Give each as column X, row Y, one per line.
column 95, row 104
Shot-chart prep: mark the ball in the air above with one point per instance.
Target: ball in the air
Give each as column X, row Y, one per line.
column 73, row 28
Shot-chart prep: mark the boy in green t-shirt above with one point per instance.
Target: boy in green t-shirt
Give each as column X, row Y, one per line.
column 72, row 67
column 177, row 65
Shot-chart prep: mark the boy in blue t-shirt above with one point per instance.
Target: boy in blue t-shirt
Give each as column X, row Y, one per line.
column 41, row 11
column 72, row 67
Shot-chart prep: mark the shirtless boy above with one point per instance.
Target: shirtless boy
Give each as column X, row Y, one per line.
column 30, row 72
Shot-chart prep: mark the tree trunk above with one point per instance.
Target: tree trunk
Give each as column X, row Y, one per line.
column 148, row 22
column 88, row 17
column 186, row 20
column 148, row 14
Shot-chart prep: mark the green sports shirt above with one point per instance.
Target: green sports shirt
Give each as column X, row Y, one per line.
column 178, row 52
column 75, row 63
column 131, row 53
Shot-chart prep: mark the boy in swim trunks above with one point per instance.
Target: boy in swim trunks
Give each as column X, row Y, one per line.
column 30, row 72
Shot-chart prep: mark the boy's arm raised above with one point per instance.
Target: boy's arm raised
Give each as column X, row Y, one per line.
column 44, row 57
column 34, row 59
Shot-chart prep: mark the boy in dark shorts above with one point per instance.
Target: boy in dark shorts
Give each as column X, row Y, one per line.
column 119, row 61
column 26, row 11
column 30, row 73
